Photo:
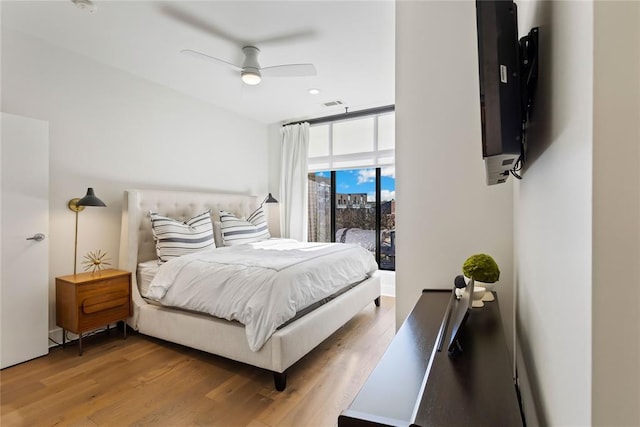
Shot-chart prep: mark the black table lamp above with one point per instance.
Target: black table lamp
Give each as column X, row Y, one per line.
column 269, row 199
column 77, row 205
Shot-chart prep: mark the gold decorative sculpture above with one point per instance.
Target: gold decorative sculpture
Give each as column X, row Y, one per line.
column 95, row 261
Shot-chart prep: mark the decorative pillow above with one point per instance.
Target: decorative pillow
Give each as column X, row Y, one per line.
column 175, row 238
column 236, row 231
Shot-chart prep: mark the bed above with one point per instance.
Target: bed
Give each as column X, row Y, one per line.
column 211, row 334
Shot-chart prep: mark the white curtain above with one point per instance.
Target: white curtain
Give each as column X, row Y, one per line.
column 293, row 181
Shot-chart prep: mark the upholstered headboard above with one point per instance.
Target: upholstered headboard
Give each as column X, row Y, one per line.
column 136, row 239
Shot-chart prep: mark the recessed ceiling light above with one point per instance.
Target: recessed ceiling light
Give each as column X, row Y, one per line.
column 314, row 91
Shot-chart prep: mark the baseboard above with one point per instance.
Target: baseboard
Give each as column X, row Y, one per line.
column 387, row 282
column 525, row 391
column 55, row 335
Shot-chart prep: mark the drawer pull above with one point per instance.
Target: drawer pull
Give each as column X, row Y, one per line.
column 89, row 306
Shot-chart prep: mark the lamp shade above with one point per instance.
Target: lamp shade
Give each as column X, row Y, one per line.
column 270, row 199
column 90, row 199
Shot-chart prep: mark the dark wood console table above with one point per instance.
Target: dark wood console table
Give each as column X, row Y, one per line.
column 474, row 387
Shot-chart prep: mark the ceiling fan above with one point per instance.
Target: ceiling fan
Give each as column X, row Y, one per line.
column 250, row 70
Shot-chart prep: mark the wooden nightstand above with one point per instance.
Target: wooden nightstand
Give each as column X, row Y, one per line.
column 87, row 301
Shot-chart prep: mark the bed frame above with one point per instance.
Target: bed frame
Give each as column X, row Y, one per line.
column 217, row 336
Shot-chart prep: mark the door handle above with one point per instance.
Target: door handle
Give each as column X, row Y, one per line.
column 37, row 237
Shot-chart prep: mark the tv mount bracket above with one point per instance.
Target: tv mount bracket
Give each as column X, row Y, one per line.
column 528, row 71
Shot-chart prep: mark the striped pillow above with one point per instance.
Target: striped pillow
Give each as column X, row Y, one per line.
column 236, row 231
column 176, row 238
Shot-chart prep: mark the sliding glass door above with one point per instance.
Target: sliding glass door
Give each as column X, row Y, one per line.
column 387, row 215
column 320, row 207
column 355, row 206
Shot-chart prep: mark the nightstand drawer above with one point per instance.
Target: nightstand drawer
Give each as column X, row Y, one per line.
column 103, row 288
column 104, row 302
column 102, row 314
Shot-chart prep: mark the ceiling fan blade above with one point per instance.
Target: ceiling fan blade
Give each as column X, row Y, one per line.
column 194, row 21
column 287, row 37
column 200, row 24
column 200, row 55
column 289, row 70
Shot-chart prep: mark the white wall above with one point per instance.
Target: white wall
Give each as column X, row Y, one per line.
column 576, row 212
column 578, row 221
column 445, row 212
column 616, row 215
column 111, row 130
column 275, row 158
column 553, row 224
column 274, row 212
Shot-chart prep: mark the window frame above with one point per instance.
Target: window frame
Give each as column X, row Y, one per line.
column 376, row 158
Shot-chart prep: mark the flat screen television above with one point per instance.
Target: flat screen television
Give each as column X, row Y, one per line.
column 505, row 79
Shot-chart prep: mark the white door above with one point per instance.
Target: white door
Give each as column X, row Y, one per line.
column 24, row 264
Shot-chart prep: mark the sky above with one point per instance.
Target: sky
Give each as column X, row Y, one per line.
column 363, row 181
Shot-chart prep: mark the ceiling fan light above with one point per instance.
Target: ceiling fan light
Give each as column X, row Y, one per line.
column 251, row 78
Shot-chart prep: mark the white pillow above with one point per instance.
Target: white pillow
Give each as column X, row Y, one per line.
column 175, row 238
column 236, row 231
column 146, row 271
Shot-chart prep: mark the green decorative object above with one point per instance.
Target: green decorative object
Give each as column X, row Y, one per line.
column 481, row 268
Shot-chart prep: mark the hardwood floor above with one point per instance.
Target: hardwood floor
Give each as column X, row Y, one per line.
column 145, row 381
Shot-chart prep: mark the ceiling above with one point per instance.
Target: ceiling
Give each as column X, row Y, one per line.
column 351, row 44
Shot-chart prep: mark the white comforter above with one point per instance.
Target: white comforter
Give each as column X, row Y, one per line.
column 261, row 285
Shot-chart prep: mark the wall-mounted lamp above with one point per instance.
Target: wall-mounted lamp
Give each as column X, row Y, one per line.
column 273, row 215
column 269, row 199
column 77, row 205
